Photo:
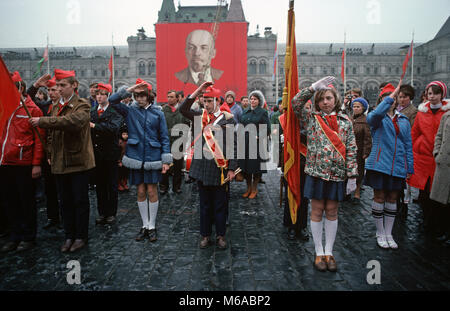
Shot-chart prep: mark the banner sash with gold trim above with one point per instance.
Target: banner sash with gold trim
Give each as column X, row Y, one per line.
column 332, row 136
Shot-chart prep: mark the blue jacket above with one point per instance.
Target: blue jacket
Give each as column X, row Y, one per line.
column 148, row 143
column 391, row 153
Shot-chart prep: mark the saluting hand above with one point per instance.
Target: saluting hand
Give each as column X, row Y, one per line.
column 201, row 89
column 42, row 81
column 397, row 90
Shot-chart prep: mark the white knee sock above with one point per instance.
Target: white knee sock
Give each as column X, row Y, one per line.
column 153, row 213
column 316, row 229
column 330, row 235
column 143, row 209
column 377, row 213
column 390, row 211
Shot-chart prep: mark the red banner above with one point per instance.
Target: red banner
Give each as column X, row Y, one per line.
column 187, row 54
column 292, row 143
column 9, row 96
column 407, row 58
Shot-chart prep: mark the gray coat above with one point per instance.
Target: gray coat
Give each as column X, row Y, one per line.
column 440, row 191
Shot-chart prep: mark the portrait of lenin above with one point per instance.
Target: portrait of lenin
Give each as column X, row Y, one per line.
column 200, row 50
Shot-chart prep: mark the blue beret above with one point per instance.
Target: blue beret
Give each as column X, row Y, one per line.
column 362, row 101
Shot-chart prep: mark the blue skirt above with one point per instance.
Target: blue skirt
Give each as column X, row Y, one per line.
column 380, row 181
column 319, row 189
column 142, row 176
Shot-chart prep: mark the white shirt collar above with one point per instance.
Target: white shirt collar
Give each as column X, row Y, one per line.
column 331, row 114
column 100, row 107
column 207, row 78
column 61, row 101
column 396, row 113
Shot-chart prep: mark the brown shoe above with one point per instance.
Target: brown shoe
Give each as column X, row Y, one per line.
column 331, row 263
column 253, row 194
column 221, row 243
column 320, row 263
column 77, row 245
column 205, row 242
column 246, row 194
column 66, row 246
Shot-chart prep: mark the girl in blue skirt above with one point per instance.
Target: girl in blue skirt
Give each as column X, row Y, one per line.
column 330, row 159
column 389, row 163
column 147, row 153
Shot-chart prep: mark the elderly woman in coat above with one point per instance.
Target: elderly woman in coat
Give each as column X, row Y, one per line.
column 250, row 165
column 441, row 182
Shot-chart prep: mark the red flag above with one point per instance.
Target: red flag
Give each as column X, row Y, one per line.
column 9, row 95
column 343, row 67
column 292, row 125
column 110, row 67
column 407, row 58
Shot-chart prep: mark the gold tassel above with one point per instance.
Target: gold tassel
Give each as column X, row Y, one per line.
column 222, row 177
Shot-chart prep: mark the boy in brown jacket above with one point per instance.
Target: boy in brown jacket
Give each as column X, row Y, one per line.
column 71, row 157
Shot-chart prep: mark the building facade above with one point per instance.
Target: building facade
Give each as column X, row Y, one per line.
column 368, row 65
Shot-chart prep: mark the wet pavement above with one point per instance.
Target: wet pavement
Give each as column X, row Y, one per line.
column 259, row 256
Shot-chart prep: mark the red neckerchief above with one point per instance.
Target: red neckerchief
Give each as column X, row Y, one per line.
column 231, row 105
column 212, row 118
column 395, row 121
column 173, row 108
column 61, row 108
column 332, row 123
column 100, row 112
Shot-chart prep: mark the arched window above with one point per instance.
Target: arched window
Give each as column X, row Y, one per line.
column 142, row 69
column 262, row 67
column 151, row 68
column 252, row 67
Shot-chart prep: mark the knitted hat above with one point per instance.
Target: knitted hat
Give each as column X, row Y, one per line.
column 362, row 101
column 230, row 93
column 441, row 85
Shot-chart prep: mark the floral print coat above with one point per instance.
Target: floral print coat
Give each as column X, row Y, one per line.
column 322, row 159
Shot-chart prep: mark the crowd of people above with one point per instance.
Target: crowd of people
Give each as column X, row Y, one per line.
column 114, row 140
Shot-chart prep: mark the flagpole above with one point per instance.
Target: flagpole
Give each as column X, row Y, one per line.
column 113, row 75
column 345, row 62
column 48, row 56
column 276, row 73
column 412, row 66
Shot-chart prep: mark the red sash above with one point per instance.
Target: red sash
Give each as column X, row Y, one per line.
column 332, row 136
column 211, row 142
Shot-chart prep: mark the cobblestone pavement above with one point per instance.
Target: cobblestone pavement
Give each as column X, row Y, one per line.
column 259, row 256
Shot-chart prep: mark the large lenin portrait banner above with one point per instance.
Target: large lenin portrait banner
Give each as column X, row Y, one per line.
column 188, row 55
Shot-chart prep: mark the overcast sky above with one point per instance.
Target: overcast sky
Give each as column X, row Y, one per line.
column 25, row 23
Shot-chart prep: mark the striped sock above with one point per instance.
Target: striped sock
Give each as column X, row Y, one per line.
column 390, row 211
column 377, row 213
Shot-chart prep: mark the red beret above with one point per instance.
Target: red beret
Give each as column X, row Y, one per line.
column 139, row 81
column 61, row 74
column 389, row 88
column 105, row 87
column 51, row 82
column 16, row 77
column 212, row 92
